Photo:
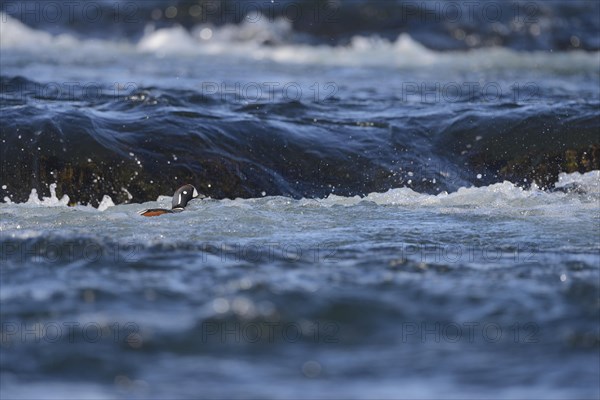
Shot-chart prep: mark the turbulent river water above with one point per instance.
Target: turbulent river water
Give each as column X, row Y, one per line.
column 392, row 211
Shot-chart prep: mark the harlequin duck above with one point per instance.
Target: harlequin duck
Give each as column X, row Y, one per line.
column 180, row 199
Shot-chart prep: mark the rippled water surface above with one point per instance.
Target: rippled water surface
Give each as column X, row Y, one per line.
column 393, row 210
column 479, row 289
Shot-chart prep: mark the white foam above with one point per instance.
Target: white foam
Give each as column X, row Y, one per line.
column 505, row 194
column 248, row 41
column 54, row 201
column 51, row 201
column 15, row 34
column 168, row 40
column 105, row 203
column 588, row 182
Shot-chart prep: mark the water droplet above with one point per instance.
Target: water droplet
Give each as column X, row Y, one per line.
column 206, row 34
column 220, row 305
column 311, row 369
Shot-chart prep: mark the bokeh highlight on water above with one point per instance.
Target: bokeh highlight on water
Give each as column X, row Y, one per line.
column 403, row 199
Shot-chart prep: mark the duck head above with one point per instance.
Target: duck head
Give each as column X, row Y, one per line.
column 182, row 196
